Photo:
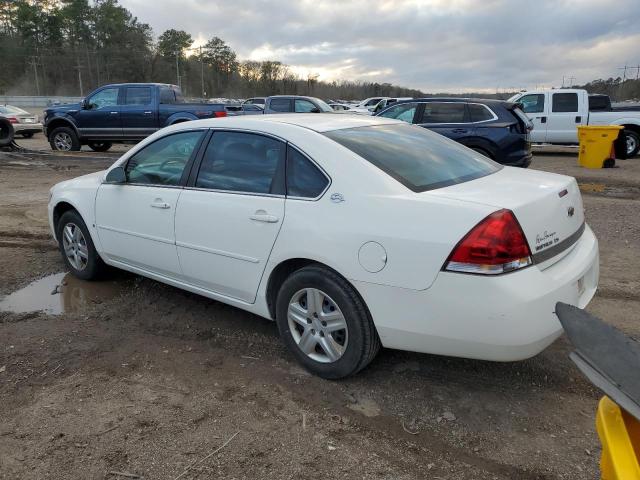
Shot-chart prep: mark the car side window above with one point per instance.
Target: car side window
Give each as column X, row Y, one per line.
column 480, row 113
column 280, row 104
column 243, row 162
column 435, row 112
column 304, row 179
column 564, row 102
column 167, row 96
column 404, row 112
column 533, row 103
column 163, row 161
column 104, row 98
column 304, row 106
column 137, row 96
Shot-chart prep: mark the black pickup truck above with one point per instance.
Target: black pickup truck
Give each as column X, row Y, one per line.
column 121, row 113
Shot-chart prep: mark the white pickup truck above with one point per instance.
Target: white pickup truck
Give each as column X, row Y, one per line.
column 557, row 113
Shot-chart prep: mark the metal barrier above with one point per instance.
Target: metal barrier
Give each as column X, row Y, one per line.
column 36, row 101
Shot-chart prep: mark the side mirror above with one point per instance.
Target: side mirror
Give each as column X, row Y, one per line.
column 315, row 110
column 84, row 104
column 117, row 176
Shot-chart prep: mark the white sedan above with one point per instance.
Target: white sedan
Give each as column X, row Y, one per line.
column 350, row 232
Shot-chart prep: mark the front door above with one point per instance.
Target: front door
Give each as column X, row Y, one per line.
column 139, row 116
column 101, row 116
column 228, row 217
column 562, row 126
column 135, row 220
column 534, row 105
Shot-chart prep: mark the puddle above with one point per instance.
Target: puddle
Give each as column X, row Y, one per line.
column 60, row 293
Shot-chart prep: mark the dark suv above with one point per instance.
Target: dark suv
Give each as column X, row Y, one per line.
column 496, row 129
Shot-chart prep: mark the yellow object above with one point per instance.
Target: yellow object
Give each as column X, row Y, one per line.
column 619, row 434
column 596, row 144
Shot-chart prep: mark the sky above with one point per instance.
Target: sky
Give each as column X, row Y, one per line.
column 433, row 45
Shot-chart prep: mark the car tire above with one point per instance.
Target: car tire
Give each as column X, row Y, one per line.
column 74, row 240
column 633, row 142
column 323, row 347
column 100, row 146
column 27, row 135
column 64, row 139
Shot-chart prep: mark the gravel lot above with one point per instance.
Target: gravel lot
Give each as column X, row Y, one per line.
column 141, row 378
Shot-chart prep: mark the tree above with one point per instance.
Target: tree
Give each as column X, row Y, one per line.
column 172, row 43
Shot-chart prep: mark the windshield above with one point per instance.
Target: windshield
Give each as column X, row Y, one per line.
column 324, row 107
column 416, row 157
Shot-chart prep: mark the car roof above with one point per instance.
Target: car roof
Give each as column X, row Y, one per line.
column 484, row 101
column 318, row 122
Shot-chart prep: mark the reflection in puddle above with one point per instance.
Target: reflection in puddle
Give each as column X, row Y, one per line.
column 60, row 293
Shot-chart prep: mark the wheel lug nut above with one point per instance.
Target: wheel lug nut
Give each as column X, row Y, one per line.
column 308, row 320
column 313, row 332
column 315, row 315
column 322, row 334
column 324, row 324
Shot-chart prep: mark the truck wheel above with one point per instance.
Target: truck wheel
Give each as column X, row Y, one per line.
column 633, row 142
column 99, row 146
column 6, row 132
column 64, row 139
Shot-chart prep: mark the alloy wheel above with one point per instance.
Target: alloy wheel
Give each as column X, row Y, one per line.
column 632, row 144
column 317, row 325
column 75, row 246
column 63, row 141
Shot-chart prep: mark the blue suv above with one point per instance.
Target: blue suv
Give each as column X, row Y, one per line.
column 494, row 128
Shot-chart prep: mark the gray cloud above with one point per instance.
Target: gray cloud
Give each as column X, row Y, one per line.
column 434, row 45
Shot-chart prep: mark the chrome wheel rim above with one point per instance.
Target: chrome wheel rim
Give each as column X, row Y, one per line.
column 63, row 141
column 75, row 246
column 632, row 144
column 317, row 325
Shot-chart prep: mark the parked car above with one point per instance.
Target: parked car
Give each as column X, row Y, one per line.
column 23, row 122
column 340, row 107
column 255, row 101
column 121, row 113
column 295, row 104
column 557, row 113
column 496, row 129
column 385, row 102
column 350, row 232
column 244, row 109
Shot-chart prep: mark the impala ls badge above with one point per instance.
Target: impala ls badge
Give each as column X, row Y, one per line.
column 571, row 211
column 337, row 198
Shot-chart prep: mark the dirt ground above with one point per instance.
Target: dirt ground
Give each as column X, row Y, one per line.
column 135, row 377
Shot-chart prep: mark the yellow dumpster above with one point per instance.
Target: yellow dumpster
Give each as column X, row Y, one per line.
column 596, row 145
column 619, row 434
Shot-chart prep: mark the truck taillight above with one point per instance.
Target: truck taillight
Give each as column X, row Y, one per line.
column 496, row 245
column 220, row 114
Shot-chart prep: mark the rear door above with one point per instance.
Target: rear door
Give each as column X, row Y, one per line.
column 138, row 112
column 230, row 214
column 535, row 106
column 450, row 119
column 564, row 118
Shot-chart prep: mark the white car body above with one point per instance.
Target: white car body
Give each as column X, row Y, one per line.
column 389, row 242
column 557, row 127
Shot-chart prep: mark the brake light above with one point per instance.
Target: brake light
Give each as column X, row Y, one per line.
column 12, row 119
column 496, row 245
column 220, row 114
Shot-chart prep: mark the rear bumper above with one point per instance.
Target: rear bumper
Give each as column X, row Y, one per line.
column 504, row 318
column 27, row 127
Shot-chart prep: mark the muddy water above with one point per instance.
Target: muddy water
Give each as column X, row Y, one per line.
column 60, row 293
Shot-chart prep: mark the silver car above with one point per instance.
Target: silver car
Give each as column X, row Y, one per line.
column 24, row 123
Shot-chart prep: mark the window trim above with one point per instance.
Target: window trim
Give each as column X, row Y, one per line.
column 195, row 168
column 187, row 167
column 313, row 162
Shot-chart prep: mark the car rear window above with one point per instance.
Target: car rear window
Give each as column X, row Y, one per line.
column 416, row 157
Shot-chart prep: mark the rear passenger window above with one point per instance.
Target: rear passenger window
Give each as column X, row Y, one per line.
column 565, row 102
column 304, row 179
column 280, row 105
column 443, row 113
column 137, row 96
column 480, row 113
column 242, row 162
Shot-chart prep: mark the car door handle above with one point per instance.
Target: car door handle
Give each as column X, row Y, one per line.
column 262, row 216
column 542, row 119
column 113, row 113
column 460, row 130
column 148, row 112
column 160, row 204
column 578, row 119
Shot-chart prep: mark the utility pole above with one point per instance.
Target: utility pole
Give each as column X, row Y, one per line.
column 79, row 67
column 202, row 72
column 571, row 79
column 178, row 70
column 562, row 81
column 35, row 74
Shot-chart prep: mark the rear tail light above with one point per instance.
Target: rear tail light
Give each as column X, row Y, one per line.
column 496, row 245
column 220, row 114
column 12, row 119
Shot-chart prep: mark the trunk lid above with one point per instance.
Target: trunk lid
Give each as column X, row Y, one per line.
column 548, row 207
